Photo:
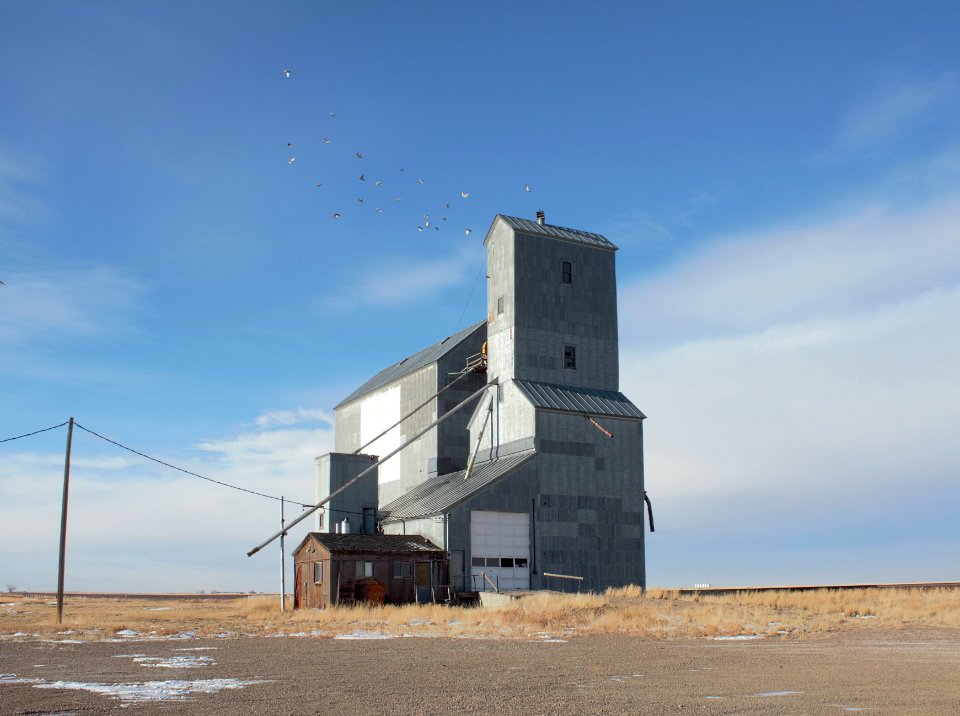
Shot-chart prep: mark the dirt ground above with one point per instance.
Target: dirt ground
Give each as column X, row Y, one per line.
column 877, row 670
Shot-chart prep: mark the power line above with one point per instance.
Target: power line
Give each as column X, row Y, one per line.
column 188, row 472
column 35, row 432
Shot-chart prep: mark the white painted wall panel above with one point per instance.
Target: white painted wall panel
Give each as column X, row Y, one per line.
column 378, row 411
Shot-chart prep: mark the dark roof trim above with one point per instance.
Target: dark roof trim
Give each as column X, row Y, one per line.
column 588, row 401
column 533, row 228
column 338, row 543
column 442, row 493
column 413, row 363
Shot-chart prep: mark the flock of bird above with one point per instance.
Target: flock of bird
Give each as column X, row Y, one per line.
column 380, row 198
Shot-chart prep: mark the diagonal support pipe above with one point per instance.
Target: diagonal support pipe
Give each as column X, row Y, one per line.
column 382, row 460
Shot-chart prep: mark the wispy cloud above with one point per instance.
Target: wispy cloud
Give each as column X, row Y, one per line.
column 650, row 230
column 66, row 302
column 746, row 283
column 124, row 507
column 18, row 181
column 807, row 369
column 887, row 116
column 298, row 416
column 398, row 281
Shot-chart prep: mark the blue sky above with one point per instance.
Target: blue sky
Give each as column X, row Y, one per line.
column 781, row 178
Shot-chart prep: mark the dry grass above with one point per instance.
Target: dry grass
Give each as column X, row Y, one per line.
column 658, row 613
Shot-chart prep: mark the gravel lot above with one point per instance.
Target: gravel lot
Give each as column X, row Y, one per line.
column 876, row 670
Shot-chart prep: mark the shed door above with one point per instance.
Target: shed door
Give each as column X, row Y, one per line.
column 500, row 548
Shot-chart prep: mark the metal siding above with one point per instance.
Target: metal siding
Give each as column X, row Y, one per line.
column 579, row 400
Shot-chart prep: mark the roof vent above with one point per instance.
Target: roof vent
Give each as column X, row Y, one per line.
column 541, row 218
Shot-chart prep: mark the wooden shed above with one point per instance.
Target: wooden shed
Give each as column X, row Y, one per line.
column 346, row 568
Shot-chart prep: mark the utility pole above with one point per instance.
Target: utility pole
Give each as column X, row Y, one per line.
column 63, row 525
column 283, row 568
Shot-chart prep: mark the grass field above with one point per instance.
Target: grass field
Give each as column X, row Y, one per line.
column 657, row 614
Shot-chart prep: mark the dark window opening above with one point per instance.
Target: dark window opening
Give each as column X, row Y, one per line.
column 566, row 272
column 570, row 357
column 318, row 572
column 500, row 306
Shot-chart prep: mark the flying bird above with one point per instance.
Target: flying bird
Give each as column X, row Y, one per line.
column 286, row 72
column 333, row 114
column 362, row 178
column 427, row 224
column 291, row 160
column 360, row 201
column 464, row 195
column 359, row 155
column 319, row 183
column 378, row 183
column 326, row 140
column 420, row 229
column 526, row 187
column 446, row 206
column 290, row 144
column 379, row 210
column 420, row 180
column 336, row 215
column 467, row 232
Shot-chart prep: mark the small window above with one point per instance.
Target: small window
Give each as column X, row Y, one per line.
column 318, row 572
column 478, row 562
column 506, row 562
column 570, row 357
column 364, row 569
column 402, row 570
column 500, row 306
column 520, row 562
column 566, row 272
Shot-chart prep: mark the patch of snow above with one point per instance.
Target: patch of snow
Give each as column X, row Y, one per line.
column 65, row 641
column 11, row 604
column 713, row 697
column 224, row 634
column 14, row 679
column 21, row 633
column 364, row 635
column 127, row 632
column 157, row 609
column 175, row 662
column 197, row 648
column 776, row 693
column 173, row 690
column 185, row 635
column 738, row 637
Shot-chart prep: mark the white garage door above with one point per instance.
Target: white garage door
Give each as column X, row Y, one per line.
column 500, row 548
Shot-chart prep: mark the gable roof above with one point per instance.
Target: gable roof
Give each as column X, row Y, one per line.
column 588, row 401
column 533, row 228
column 438, row 494
column 413, row 363
column 372, row 544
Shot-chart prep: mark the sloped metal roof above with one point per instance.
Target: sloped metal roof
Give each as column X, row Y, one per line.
column 580, row 400
column 375, row 544
column 438, row 494
column 412, row 363
column 525, row 226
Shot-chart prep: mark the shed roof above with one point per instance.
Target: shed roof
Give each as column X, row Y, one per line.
column 588, row 401
column 438, row 494
column 533, row 228
column 413, row 363
column 372, row 544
